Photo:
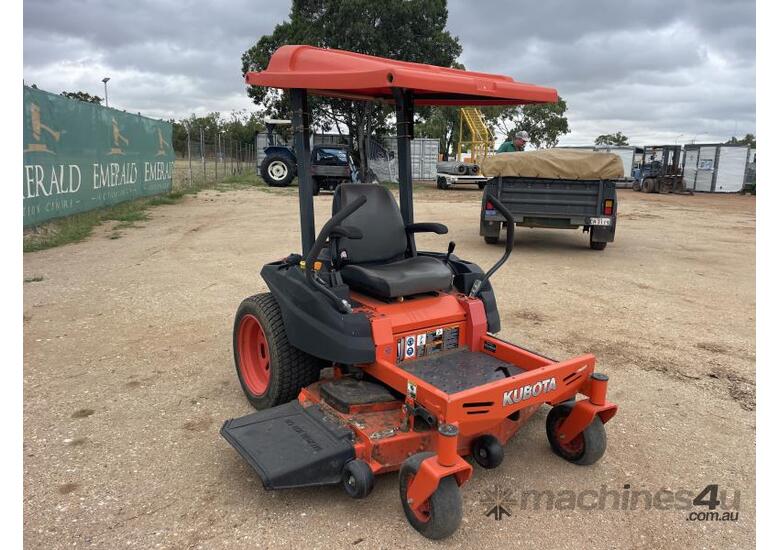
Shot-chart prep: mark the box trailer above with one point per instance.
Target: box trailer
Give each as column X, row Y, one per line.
column 716, row 168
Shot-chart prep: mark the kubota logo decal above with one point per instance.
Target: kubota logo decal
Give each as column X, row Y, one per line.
column 531, row 390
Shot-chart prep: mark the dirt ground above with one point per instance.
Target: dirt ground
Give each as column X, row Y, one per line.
column 128, row 376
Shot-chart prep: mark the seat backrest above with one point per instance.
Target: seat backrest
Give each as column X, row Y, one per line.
column 384, row 231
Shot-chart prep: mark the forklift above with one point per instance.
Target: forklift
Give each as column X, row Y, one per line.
column 369, row 356
column 661, row 171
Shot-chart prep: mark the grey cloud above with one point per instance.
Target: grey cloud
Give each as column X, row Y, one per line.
column 652, row 70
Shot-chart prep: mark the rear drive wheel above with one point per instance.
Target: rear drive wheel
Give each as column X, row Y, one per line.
column 487, row 451
column 277, row 169
column 357, row 479
column 440, row 515
column 648, row 185
column 586, row 448
column 271, row 371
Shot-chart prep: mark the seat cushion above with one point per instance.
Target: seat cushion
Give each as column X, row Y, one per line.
column 402, row 278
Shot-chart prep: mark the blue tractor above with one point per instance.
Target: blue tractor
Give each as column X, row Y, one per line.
column 331, row 164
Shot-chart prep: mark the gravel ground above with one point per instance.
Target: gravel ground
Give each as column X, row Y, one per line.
column 128, row 376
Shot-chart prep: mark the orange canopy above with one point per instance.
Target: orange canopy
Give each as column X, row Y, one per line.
column 350, row 75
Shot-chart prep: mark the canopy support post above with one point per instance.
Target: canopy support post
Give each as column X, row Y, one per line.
column 404, row 115
column 301, row 118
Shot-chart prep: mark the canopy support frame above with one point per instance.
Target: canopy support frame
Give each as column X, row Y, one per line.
column 301, row 121
column 404, row 115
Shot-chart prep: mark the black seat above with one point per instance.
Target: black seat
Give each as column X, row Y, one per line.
column 379, row 264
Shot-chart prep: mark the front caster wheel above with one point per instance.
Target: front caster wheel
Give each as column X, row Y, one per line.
column 357, row 479
column 585, row 449
column 487, row 452
column 440, row 515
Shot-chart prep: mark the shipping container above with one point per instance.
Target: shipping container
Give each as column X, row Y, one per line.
column 716, row 168
column 384, row 159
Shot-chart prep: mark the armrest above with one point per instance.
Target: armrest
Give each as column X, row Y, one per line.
column 438, row 228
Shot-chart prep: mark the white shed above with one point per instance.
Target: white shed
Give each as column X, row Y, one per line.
column 715, row 168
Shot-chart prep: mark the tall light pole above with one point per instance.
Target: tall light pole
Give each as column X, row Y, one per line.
column 105, row 88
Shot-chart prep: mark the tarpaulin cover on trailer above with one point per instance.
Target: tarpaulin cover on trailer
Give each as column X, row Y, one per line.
column 555, row 164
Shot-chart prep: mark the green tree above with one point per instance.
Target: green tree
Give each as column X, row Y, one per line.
column 82, row 96
column 441, row 122
column 544, row 122
column 612, row 139
column 407, row 30
column 239, row 127
column 749, row 140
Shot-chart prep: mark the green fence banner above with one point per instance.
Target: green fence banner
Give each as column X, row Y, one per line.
column 79, row 156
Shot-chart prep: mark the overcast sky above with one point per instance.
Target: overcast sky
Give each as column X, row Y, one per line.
column 662, row 71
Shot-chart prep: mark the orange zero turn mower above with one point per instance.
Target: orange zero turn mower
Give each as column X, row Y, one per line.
column 369, row 356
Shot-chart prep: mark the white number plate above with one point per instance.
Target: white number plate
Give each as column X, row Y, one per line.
column 601, row 221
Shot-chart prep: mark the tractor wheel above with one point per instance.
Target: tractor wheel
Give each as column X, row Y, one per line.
column 636, row 186
column 596, row 245
column 648, row 185
column 277, row 169
column 441, row 183
column 487, row 451
column 440, row 515
column 315, row 186
column 357, row 479
column 585, row 449
column 482, row 185
column 490, row 239
column 271, row 371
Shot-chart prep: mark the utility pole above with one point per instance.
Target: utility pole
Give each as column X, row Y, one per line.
column 105, row 88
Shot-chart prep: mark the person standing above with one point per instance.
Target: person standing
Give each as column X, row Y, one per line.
column 517, row 144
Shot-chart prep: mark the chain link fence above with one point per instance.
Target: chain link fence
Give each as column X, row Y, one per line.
column 205, row 159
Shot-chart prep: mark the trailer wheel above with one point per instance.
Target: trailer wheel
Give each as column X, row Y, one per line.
column 596, row 245
column 648, row 185
column 487, row 451
column 357, row 479
column 277, row 169
column 441, row 514
column 271, row 371
column 585, row 449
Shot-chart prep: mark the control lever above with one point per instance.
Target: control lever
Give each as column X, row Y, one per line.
column 450, row 250
column 510, row 243
column 332, row 227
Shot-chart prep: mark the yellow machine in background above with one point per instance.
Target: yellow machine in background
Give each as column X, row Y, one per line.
column 479, row 147
column 481, row 143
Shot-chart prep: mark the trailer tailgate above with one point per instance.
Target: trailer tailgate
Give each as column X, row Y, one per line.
column 526, row 197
